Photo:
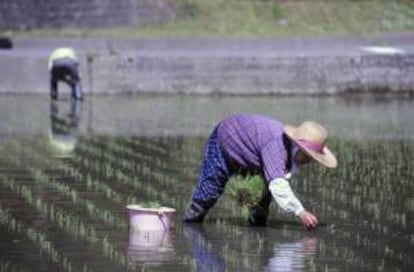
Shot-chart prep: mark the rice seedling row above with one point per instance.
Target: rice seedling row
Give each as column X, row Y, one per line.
column 136, row 166
column 361, row 195
column 68, row 221
column 40, row 177
column 334, row 201
column 39, row 239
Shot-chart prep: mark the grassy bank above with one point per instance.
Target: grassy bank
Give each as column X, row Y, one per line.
column 267, row 18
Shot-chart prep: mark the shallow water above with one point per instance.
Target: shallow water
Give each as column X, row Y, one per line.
column 68, row 170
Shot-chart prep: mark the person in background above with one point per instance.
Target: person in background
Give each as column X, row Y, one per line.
column 63, row 66
column 254, row 144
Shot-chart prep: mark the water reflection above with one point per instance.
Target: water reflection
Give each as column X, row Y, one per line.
column 251, row 250
column 196, row 115
column 368, row 203
column 292, row 256
column 64, row 123
column 149, row 248
column 206, row 255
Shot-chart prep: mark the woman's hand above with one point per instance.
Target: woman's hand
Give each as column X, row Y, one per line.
column 308, row 220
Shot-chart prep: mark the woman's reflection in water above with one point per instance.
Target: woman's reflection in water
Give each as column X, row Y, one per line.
column 280, row 256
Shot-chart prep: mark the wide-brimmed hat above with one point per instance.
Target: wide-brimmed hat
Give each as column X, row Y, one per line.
column 310, row 137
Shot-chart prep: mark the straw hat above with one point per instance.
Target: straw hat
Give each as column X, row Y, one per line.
column 311, row 137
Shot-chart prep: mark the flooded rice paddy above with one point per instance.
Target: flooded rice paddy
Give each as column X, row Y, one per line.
column 67, row 171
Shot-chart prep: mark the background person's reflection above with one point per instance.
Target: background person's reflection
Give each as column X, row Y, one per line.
column 64, row 122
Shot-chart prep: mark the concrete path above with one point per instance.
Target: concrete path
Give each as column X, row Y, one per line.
column 283, row 47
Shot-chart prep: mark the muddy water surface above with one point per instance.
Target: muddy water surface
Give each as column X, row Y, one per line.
column 67, row 170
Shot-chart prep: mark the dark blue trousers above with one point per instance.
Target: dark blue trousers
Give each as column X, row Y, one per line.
column 213, row 175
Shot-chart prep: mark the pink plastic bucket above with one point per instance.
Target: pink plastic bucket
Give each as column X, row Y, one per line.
column 147, row 219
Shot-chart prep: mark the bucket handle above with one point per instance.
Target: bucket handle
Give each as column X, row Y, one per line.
column 160, row 215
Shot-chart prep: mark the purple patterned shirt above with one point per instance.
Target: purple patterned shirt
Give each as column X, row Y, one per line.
column 255, row 144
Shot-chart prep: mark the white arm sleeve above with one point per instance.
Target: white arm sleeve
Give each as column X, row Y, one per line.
column 284, row 196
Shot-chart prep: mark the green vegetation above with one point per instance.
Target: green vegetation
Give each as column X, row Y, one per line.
column 150, row 205
column 266, row 18
column 246, row 190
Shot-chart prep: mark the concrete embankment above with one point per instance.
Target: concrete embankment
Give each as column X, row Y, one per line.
column 334, row 65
